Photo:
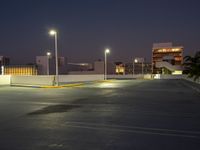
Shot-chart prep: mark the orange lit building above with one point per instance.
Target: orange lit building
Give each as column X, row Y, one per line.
column 21, row 70
column 172, row 56
column 119, row 68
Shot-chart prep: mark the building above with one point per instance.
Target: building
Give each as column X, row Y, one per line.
column 119, row 68
column 96, row 68
column 138, row 68
column 46, row 65
column 20, row 70
column 79, row 67
column 42, row 62
column 142, row 68
column 99, row 67
column 166, row 58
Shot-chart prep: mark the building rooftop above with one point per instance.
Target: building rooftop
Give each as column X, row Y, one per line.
column 165, row 45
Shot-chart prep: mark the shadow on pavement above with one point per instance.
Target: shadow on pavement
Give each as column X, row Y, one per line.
column 54, row 109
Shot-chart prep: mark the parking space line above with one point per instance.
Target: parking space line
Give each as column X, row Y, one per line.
column 190, row 86
column 132, row 129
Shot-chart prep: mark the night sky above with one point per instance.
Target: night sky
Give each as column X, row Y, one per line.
column 87, row 27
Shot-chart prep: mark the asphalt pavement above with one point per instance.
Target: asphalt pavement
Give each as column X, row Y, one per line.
column 113, row 115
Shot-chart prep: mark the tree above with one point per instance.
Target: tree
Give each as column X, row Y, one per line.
column 192, row 66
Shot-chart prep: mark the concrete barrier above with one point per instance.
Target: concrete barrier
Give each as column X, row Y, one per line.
column 32, row 80
column 5, row 79
column 163, row 76
column 80, row 78
column 130, row 76
column 185, row 77
column 148, row 76
column 49, row 80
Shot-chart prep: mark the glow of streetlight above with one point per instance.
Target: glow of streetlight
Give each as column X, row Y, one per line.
column 107, row 51
column 52, row 32
column 136, row 61
column 48, row 53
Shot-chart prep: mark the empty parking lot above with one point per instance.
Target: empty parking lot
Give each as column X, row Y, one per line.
column 116, row 115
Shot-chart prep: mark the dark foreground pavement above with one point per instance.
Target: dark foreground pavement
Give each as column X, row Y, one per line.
column 118, row 115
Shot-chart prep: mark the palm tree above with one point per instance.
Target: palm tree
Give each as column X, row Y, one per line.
column 192, row 66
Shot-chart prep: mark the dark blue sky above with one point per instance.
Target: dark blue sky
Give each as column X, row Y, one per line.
column 87, row 27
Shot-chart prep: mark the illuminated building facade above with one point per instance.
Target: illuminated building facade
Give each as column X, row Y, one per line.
column 21, row 70
column 119, row 68
column 167, row 56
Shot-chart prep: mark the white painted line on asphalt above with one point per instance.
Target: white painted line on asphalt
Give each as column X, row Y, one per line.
column 192, row 87
column 134, row 127
column 134, row 131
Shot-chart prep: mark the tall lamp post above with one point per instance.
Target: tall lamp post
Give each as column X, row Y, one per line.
column 48, row 57
column 2, row 70
column 134, row 61
column 54, row 33
column 107, row 51
column 140, row 60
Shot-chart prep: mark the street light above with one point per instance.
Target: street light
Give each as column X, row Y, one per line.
column 107, row 51
column 54, row 33
column 48, row 57
column 140, row 60
column 2, row 70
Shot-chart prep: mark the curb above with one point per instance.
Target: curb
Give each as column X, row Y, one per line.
column 104, row 81
column 29, row 86
column 61, row 86
column 72, row 85
column 50, row 87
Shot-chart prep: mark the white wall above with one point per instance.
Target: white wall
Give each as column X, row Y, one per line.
column 5, row 79
column 48, row 80
column 79, row 78
column 162, row 76
column 129, row 76
column 82, row 73
column 32, row 80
